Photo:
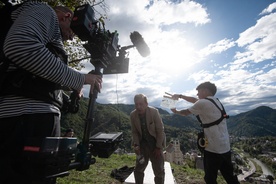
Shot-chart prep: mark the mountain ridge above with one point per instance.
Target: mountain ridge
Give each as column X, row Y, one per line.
column 257, row 122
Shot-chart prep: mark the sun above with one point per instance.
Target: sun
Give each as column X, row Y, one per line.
column 173, row 56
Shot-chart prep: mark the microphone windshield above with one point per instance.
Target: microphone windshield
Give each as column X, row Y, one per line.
column 138, row 41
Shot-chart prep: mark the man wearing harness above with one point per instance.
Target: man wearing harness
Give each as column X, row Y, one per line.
column 217, row 153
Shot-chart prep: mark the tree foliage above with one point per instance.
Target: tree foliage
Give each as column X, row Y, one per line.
column 260, row 147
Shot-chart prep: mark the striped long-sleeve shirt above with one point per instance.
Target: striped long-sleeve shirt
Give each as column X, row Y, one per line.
column 35, row 25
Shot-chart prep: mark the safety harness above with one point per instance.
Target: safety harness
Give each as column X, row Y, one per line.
column 202, row 142
column 223, row 115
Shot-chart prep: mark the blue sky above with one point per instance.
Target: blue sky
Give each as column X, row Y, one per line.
column 230, row 43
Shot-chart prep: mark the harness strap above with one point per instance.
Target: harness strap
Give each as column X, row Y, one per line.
column 223, row 115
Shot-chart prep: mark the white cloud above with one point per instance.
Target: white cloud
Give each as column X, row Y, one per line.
column 217, row 48
column 165, row 12
column 268, row 77
column 202, row 76
column 269, row 9
column 171, row 52
column 175, row 64
column 258, row 41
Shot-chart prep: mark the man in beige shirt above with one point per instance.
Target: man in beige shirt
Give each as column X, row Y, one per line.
column 148, row 139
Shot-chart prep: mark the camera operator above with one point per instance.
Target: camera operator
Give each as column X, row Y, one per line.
column 30, row 95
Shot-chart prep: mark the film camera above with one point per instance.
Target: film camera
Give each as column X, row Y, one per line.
column 54, row 156
column 103, row 47
column 103, row 44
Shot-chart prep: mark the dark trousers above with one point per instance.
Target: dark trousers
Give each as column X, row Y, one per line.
column 157, row 165
column 213, row 163
column 14, row 133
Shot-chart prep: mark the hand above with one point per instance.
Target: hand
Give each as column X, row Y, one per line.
column 157, row 152
column 137, row 150
column 175, row 97
column 80, row 93
column 94, row 81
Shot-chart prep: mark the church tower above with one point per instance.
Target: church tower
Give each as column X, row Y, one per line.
column 173, row 153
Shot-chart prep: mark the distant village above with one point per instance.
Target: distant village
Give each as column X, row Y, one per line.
column 243, row 168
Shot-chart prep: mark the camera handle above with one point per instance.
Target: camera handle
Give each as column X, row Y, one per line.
column 90, row 113
column 84, row 157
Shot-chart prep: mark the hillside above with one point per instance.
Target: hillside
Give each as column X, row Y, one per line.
column 257, row 122
column 115, row 118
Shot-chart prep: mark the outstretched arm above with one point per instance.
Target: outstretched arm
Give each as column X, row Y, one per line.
column 184, row 112
column 187, row 98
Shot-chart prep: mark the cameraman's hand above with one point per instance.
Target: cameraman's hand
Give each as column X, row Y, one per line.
column 94, row 81
column 81, row 93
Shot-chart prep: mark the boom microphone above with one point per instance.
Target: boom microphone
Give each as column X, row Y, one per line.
column 138, row 41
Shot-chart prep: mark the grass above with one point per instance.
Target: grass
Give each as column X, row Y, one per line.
column 99, row 173
column 186, row 174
